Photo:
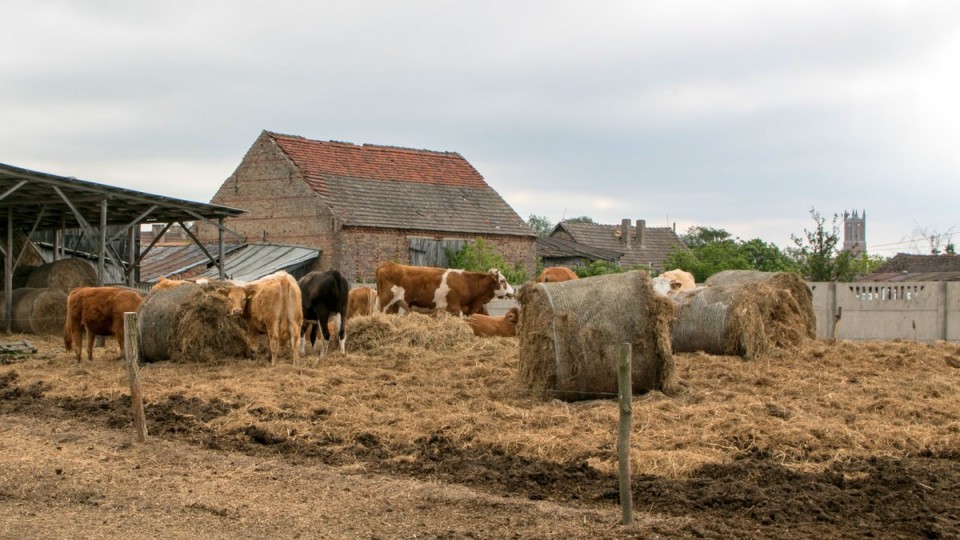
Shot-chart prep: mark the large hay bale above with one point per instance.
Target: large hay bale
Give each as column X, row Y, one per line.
column 746, row 320
column 785, row 281
column 65, row 274
column 570, row 335
column 15, row 323
column 440, row 332
column 189, row 323
column 39, row 311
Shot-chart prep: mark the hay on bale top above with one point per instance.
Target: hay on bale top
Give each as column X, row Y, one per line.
column 380, row 332
column 570, row 334
column 786, row 281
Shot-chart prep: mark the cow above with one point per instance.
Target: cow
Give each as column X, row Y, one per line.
column 324, row 299
column 556, row 273
column 363, row 301
column 270, row 305
column 163, row 283
column 426, row 288
column 487, row 326
column 98, row 311
column 673, row 282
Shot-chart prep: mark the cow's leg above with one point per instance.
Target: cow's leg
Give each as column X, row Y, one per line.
column 324, row 324
column 342, row 332
column 76, row 337
column 252, row 342
column 273, row 336
column 90, row 338
column 304, row 336
column 294, row 342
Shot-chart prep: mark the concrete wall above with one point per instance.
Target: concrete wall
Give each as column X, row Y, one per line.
column 921, row 310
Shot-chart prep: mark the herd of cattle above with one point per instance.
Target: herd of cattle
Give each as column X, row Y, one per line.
column 291, row 312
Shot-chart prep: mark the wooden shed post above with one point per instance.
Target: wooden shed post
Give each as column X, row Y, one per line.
column 103, row 243
column 220, row 267
column 8, row 272
column 132, row 254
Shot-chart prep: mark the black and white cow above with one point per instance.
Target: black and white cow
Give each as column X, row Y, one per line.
column 324, row 296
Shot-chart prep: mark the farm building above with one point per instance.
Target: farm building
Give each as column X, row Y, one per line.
column 359, row 205
column 578, row 244
column 908, row 267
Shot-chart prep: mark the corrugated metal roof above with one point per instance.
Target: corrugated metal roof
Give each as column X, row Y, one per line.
column 257, row 260
column 171, row 261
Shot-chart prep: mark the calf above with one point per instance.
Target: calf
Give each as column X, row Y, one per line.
column 458, row 291
column 270, row 305
column 325, row 295
column 487, row 326
column 98, row 311
column 363, row 301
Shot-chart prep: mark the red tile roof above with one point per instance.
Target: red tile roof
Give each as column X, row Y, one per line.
column 320, row 158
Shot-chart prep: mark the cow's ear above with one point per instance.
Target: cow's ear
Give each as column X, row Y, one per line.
column 494, row 272
column 222, row 291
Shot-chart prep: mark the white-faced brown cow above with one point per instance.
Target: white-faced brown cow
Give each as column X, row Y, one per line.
column 270, row 305
column 324, row 297
column 487, row 326
column 363, row 301
column 422, row 287
column 98, row 311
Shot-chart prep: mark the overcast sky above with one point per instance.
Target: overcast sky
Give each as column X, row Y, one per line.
column 735, row 115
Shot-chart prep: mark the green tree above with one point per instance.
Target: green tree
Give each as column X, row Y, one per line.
column 816, row 251
column 711, row 250
column 696, row 237
column 480, row 257
column 581, row 219
column 540, row 225
column 598, row 268
column 766, row 257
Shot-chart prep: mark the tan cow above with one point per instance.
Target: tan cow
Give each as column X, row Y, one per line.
column 426, row 288
column 270, row 305
column 673, row 282
column 487, row 326
column 556, row 273
column 362, row 301
column 98, row 311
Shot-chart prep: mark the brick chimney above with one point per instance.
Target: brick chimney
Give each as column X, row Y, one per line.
column 625, row 232
column 642, row 233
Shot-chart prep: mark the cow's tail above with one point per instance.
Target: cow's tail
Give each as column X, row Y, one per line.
column 292, row 326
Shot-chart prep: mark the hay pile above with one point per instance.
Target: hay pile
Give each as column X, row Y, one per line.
column 189, row 323
column 65, row 274
column 745, row 314
column 39, row 311
column 570, row 335
column 381, row 333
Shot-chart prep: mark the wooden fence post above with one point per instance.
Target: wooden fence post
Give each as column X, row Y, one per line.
column 625, row 386
column 131, row 354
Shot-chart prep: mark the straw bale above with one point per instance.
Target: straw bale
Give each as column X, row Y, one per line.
column 570, row 335
column 441, row 332
column 39, row 311
column 786, row 281
column 748, row 320
column 15, row 323
column 65, row 274
column 189, row 322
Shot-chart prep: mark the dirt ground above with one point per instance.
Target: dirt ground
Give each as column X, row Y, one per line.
column 427, row 433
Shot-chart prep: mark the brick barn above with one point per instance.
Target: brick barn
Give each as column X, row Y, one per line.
column 364, row 204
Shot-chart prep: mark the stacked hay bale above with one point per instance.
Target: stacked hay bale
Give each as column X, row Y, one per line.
column 570, row 335
column 189, row 323
column 39, row 311
column 744, row 313
column 65, row 275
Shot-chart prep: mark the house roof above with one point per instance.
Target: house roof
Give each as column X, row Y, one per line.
column 658, row 241
column 908, row 267
column 556, row 248
column 401, row 188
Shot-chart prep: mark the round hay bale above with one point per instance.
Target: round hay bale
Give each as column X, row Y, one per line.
column 570, row 335
column 189, row 322
column 65, row 274
column 21, row 275
column 784, row 281
column 17, row 322
column 442, row 333
column 40, row 311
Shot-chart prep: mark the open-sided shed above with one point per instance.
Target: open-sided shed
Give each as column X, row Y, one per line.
column 32, row 201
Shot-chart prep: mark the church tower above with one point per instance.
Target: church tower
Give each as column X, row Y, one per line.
column 855, row 232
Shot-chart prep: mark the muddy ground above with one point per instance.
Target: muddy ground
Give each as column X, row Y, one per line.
column 748, row 451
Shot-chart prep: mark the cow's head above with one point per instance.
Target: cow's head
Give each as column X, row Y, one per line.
column 503, row 290
column 236, row 300
column 664, row 286
column 512, row 315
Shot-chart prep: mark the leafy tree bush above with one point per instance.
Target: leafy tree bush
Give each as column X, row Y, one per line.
column 540, row 225
column 712, row 250
column 480, row 257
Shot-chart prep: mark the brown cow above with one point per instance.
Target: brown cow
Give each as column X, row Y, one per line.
column 271, row 306
column 673, row 282
column 362, row 301
column 422, row 287
column 487, row 326
column 98, row 311
column 556, row 273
